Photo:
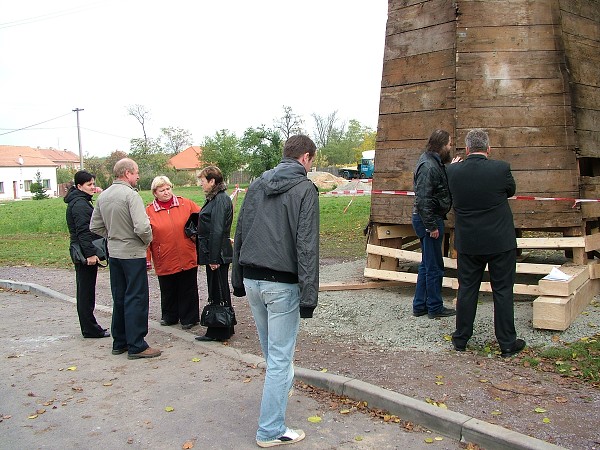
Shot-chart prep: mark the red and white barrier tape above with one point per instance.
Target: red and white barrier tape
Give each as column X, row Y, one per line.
column 411, row 194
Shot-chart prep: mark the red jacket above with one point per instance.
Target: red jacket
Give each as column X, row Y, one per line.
column 171, row 250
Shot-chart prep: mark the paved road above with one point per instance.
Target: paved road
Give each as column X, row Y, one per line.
column 60, row 391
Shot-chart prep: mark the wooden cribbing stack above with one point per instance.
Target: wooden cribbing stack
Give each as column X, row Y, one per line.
column 558, row 302
column 526, row 72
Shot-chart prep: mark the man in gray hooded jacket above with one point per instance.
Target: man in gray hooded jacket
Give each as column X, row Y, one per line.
column 276, row 264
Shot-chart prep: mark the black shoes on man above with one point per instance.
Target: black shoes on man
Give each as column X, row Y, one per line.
column 444, row 312
column 516, row 348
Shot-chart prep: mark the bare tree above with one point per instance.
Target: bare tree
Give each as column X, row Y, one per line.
column 288, row 124
column 176, row 139
column 141, row 114
column 326, row 129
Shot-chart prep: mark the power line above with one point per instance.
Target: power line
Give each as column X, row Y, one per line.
column 35, row 124
column 51, row 15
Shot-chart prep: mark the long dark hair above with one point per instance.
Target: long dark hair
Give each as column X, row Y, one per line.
column 437, row 141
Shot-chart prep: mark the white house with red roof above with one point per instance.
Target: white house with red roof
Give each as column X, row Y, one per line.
column 19, row 166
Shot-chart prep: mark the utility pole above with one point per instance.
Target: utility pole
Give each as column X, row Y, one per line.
column 76, row 110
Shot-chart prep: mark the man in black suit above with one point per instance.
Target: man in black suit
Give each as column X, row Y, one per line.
column 484, row 234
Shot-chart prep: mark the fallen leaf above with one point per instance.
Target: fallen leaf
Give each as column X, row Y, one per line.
column 323, row 370
column 438, row 438
column 314, row 419
column 33, row 416
column 169, row 409
column 496, row 413
column 439, row 383
column 195, row 360
column 247, row 380
column 483, row 380
column 77, row 388
column 108, row 383
column 188, row 445
column 555, row 338
column 546, row 420
column 442, row 405
column 429, row 440
column 345, row 411
column 40, row 411
column 561, row 400
column 72, row 368
column 540, row 410
column 447, row 337
column 358, row 438
column 6, row 416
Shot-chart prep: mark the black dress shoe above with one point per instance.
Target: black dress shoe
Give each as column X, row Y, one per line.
column 208, row 339
column 516, row 348
column 187, row 326
column 444, row 312
column 103, row 335
column 459, row 348
column 420, row 313
column 166, row 323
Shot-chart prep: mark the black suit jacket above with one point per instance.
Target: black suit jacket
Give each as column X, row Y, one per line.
column 480, row 190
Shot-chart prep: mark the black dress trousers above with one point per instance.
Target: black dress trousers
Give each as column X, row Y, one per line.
column 85, row 280
column 502, row 267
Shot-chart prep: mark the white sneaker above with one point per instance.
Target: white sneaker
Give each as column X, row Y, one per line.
column 289, row 437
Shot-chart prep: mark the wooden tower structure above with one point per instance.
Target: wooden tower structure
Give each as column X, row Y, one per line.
column 527, row 71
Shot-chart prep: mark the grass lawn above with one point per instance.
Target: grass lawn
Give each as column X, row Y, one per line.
column 34, row 232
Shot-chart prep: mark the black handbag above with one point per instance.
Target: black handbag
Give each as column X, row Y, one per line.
column 101, row 248
column 191, row 226
column 217, row 315
column 76, row 254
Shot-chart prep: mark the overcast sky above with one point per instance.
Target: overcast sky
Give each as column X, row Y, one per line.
column 195, row 64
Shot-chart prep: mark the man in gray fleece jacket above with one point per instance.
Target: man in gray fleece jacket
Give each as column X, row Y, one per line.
column 276, row 264
column 121, row 217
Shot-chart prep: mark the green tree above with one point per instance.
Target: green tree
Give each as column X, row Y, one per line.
column 109, row 165
column 263, row 148
column 224, row 151
column 288, row 124
column 37, row 187
column 175, row 139
column 64, row 175
column 97, row 166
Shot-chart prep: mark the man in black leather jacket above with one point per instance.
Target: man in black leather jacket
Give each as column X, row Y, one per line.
column 432, row 203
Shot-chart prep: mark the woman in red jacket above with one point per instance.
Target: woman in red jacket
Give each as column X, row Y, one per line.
column 174, row 255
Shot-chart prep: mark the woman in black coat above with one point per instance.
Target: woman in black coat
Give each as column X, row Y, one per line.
column 79, row 214
column 214, row 245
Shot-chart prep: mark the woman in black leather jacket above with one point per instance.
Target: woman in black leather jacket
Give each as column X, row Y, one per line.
column 214, row 245
column 79, row 214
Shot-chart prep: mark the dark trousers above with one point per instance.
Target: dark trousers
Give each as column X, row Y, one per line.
column 428, row 291
column 129, row 286
column 502, row 267
column 179, row 299
column 218, row 292
column 85, row 282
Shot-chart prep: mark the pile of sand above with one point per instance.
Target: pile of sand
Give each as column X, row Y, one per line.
column 326, row 180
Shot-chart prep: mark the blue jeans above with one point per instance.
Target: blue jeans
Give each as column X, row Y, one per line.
column 276, row 310
column 428, row 293
column 129, row 287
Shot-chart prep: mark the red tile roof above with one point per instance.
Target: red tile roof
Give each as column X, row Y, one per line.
column 31, row 157
column 59, row 156
column 187, row 159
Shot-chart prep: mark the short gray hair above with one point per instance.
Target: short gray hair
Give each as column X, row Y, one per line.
column 477, row 140
column 159, row 181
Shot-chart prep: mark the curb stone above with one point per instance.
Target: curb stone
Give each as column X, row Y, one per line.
column 448, row 423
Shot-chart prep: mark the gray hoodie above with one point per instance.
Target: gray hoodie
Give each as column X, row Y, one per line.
column 278, row 229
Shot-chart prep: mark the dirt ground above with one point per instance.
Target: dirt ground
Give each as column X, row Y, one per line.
column 504, row 392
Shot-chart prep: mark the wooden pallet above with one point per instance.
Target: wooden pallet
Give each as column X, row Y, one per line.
column 558, row 303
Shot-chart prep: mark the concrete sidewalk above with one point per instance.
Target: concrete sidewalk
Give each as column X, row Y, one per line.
column 80, row 394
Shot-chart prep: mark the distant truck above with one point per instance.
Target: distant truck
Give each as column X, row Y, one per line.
column 364, row 169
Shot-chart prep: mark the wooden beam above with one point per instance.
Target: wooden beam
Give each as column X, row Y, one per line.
column 578, row 274
column 592, row 242
column 447, row 282
column 450, row 263
column 557, row 313
column 357, row 286
column 394, row 231
column 552, row 242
